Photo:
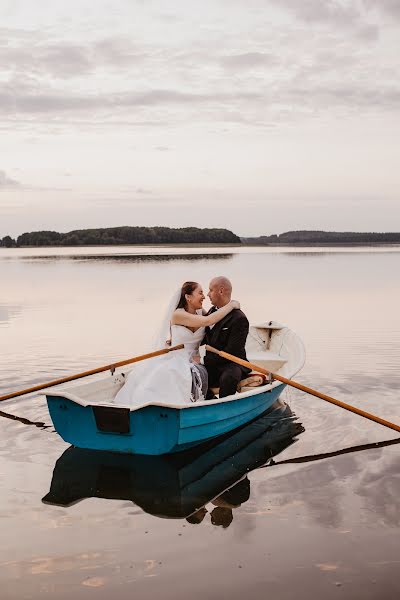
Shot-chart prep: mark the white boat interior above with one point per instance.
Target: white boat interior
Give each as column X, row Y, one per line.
column 270, row 345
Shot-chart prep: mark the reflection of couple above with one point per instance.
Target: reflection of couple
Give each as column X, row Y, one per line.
column 178, row 377
column 222, row 514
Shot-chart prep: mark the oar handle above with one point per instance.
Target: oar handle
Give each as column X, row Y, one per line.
column 121, row 363
column 303, row 388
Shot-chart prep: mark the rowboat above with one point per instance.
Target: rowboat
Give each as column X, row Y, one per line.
column 176, row 485
column 85, row 414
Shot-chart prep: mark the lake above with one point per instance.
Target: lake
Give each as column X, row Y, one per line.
column 323, row 518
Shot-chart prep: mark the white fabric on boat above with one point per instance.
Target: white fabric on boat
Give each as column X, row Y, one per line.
column 166, row 379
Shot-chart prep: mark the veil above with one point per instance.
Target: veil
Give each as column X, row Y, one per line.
column 164, row 331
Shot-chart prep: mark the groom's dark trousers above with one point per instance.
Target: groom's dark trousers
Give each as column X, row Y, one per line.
column 230, row 335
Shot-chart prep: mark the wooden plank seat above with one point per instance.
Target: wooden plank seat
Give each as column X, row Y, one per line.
column 268, row 360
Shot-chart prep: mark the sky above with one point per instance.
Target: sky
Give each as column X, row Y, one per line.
column 261, row 116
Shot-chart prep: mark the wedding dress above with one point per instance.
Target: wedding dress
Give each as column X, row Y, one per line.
column 166, row 379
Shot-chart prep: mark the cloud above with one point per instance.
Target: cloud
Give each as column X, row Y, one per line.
column 136, row 199
column 170, row 97
column 304, row 91
column 390, row 7
column 352, row 96
column 328, row 11
column 368, row 33
column 7, row 182
column 63, row 61
column 148, row 81
column 36, row 55
column 29, row 102
column 379, row 486
column 340, row 15
column 31, row 97
column 118, row 52
column 248, row 60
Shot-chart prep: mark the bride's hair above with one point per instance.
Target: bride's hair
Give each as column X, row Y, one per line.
column 187, row 288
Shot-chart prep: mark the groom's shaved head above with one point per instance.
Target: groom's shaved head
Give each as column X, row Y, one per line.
column 222, row 282
column 220, row 291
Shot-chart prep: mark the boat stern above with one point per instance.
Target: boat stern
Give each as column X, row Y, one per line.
column 149, row 430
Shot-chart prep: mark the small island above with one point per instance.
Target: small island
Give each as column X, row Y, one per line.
column 113, row 236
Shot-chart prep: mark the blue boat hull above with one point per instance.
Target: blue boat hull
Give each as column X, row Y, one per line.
column 175, row 485
column 153, row 430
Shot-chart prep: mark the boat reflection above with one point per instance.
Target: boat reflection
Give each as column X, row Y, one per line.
column 178, row 485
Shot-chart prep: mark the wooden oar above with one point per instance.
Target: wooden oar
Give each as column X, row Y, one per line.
column 304, row 388
column 121, row 363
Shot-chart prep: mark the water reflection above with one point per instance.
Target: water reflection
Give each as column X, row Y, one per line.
column 324, row 455
column 8, row 313
column 178, row 485
column 129, row 258
column 224, row 504
column 360, row 479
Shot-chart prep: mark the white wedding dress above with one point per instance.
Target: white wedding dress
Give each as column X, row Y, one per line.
column 166, row 379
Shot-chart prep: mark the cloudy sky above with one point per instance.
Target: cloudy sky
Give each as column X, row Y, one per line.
column 256, row 115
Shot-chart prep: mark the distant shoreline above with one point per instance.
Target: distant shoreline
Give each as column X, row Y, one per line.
column 210, row 245
column 319, row 244
column 194, row 237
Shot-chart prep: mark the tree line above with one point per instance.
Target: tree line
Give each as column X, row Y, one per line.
column 123, row 236
column 321, row 238
column 191, row 235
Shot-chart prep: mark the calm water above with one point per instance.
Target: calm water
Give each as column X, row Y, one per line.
column 326, row 524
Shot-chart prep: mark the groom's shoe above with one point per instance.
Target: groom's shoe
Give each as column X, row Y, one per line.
column 210, row 395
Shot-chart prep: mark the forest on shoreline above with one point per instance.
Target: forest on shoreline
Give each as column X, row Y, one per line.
column 322, row 238
column 113, row 236
column 118, row 236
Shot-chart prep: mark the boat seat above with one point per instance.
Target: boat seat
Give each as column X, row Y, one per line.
column 268, row 360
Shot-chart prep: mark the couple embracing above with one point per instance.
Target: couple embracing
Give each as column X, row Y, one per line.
column 179, row 377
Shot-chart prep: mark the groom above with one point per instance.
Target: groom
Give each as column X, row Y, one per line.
column 230, row 335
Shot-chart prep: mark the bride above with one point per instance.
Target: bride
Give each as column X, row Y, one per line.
column 177, row 377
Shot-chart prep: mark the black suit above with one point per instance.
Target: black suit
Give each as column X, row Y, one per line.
column 230, row 335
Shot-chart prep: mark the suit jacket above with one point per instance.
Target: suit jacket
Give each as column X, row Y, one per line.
column 230, row 335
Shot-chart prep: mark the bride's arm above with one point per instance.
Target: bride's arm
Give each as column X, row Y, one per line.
column 181, row 317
